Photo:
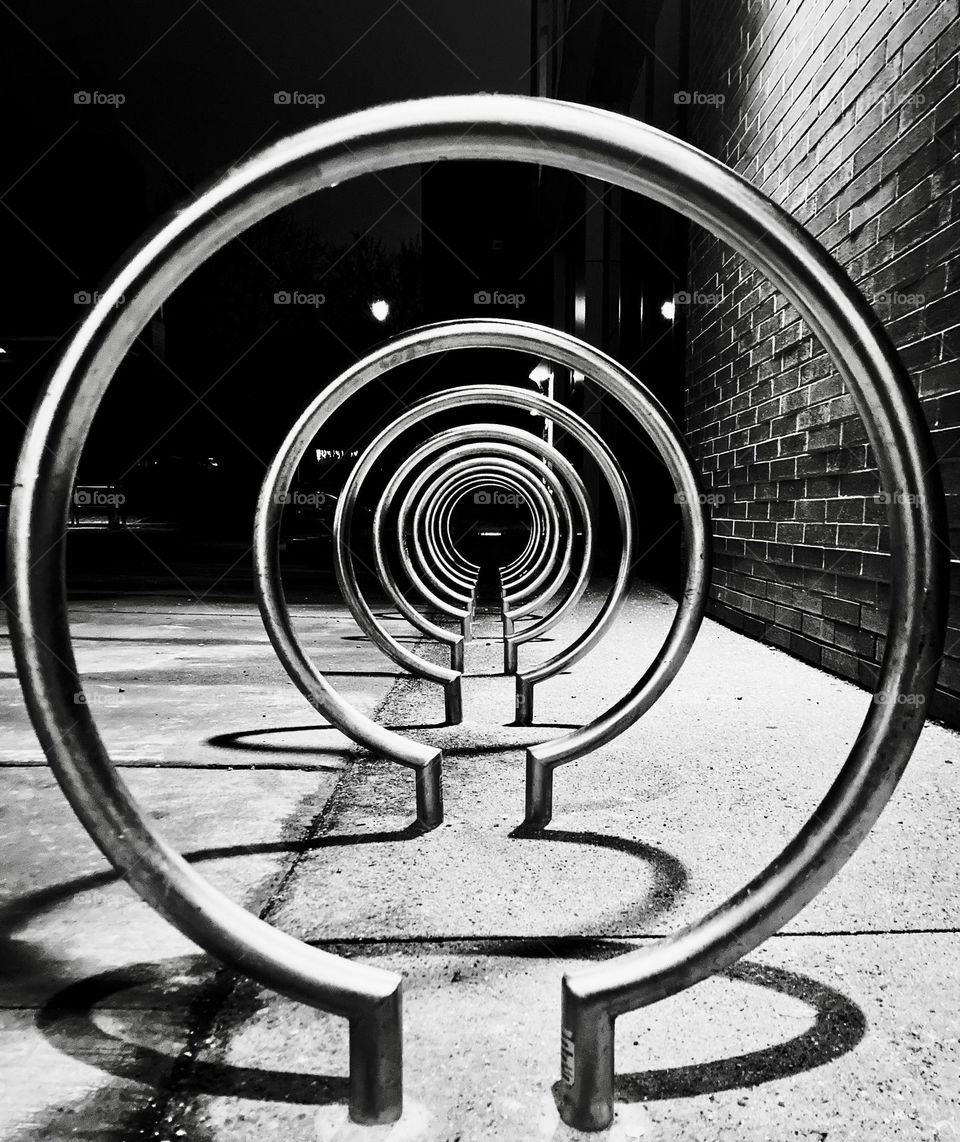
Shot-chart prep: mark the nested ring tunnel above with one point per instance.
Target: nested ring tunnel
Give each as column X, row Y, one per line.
column 637, row 402
column 427, row 575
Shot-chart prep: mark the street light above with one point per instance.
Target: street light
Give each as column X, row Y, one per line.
column 669, row 309
column 380, row 309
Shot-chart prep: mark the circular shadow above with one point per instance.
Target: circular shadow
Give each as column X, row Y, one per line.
column 524, row 737
column 669, row 872
column 838, row 1026
column 67, row 1021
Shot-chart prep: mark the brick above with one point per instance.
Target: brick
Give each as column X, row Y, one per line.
column 842, row 610
column 806, row 649
column 846, row 665
column 858, row 642
column 818, row 628
column 777, row 636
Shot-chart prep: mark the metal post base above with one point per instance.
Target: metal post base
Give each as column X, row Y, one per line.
column 430, row 792
column 453, row 702
column 539, row 795
column 456, row 655
column 509, row 648
column 524, row 702
column 586, row 1063
column 376, row 1063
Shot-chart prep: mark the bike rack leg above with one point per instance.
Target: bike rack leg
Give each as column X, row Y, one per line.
column 429, row 779
column 376, row 1063
column 453, row 702
column 539, row 793
column 509, row 648
column 524, row 702
column 586, row 1062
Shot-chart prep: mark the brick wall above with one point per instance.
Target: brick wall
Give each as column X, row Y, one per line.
column 847, row 115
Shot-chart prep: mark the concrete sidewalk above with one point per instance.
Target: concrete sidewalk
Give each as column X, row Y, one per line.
column 845, row 1026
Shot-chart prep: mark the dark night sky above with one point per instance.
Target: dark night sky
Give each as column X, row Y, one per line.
column 198, row 80
column 199, row 84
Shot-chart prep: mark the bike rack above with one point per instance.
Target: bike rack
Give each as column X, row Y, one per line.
column 520, row 477
column 593, row 144
column 575, row 486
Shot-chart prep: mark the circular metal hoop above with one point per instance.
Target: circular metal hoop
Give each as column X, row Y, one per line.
column 410, row 518
column 433, row 519
column 437, row 524
column 561, row 348
column 431, row 516
column 591, row 143
column 419, row 620
column 346, row 575
column 276, row 616
column 541, row 519
column 482, row 394
column 438, row 518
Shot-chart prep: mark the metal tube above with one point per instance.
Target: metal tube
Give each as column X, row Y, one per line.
column 535, row 530
column 591, row 143
column 438, row 516
column 545, row 559
column 343, row 556
column 433, row 514
column 293, row 655
column 534, row 497
column 450, row 495
column 568, row 477
column 579, row 495
column 566, row 349
column 407, row 558
column 472, row 452
column 311, row 421
column 446, row 499
column 525, row 561
column 588, row 638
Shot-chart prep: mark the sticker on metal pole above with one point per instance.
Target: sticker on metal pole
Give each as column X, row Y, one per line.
column 568, row 1057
